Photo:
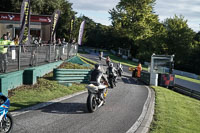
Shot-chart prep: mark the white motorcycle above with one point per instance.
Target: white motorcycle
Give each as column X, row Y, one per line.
column 96, row 96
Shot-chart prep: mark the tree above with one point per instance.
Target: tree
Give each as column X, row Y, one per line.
column 179, row 40
column 135, row 20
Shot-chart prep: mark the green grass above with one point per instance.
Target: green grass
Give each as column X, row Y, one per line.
column 129, row 63
column 188, row 79
column 43, row 91
column 175, row 113
column 67, row 65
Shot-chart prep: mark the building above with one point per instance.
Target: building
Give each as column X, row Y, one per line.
column 39, row 26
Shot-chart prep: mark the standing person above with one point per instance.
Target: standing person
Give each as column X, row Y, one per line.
column 4, row 52
column 33, row 52
column 8, row 36
column 139, row 69
column 63, row 41
column 57, row 50
column 40, row 41
column 16, row 40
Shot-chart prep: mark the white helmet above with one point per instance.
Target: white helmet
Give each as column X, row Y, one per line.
column 111, row 64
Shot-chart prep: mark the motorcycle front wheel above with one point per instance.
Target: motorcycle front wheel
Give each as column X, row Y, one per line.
column 91, row 103
column 7, row 123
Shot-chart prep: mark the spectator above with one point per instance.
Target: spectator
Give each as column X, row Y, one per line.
column 40, row 41
column 57, row 50
column 33, row 52
column 63, row 41
column 16, row 40
column 4, row 52
column 8, row 36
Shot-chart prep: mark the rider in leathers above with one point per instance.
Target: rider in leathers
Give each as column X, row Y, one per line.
column 112, row 71
column 96, row 77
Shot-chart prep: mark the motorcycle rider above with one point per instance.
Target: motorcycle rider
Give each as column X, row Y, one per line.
column 112, row 72
column 120, row 67
column 96, row 77
column 100, row 55
column 108, row 60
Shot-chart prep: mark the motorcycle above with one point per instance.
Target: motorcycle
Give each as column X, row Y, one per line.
column 6, row 120
column 96, row 96
column 119, row 71
column 112, row 80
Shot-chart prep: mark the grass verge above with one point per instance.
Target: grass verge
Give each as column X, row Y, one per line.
column 67, row 65
column 175, row 113
column 129, row 63
column 44, row 90
column 188, row 79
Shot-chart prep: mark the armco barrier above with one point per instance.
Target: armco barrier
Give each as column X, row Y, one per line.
column 10, row 81
column 145, row 77
column 30, row 75
column 71, row 75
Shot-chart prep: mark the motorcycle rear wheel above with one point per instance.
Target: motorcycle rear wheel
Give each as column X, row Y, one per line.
column 91, row 103
column 111, row 83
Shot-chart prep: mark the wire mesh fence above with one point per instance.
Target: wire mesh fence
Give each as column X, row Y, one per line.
column 20, row 57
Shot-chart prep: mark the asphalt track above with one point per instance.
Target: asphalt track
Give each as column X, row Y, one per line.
column 124, row 105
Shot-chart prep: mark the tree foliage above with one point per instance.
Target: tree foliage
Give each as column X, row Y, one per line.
column 135, row 26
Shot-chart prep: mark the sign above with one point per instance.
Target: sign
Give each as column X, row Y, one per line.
column 24, row 37
column 16, row 17
column 81, row 32
column 54, row 21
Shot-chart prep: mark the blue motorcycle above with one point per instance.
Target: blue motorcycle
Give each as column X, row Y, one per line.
column 6, row 120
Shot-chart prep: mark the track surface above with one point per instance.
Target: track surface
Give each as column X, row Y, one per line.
column 124, row 105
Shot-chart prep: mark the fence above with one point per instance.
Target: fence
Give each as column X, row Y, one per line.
column 21, row 57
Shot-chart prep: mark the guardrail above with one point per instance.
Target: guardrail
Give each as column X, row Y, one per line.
column 65, row 76
column 145, row 77
column 186, row 91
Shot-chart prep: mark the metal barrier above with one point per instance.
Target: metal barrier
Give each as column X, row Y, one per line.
column 145, row 77
column 21, row 57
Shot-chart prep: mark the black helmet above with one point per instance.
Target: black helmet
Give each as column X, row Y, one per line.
column 96, row 66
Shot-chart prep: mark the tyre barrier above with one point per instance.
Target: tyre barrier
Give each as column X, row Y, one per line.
column 65, row 76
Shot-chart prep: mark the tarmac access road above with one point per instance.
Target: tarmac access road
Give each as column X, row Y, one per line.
column 124, row 105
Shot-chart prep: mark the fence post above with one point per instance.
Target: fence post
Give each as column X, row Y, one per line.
column 49, row 52
column 19, row 52
column 36, row 55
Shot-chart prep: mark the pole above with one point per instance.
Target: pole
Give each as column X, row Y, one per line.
column 19, row 52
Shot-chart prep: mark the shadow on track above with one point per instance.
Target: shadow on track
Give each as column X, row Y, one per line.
column 66, row 108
